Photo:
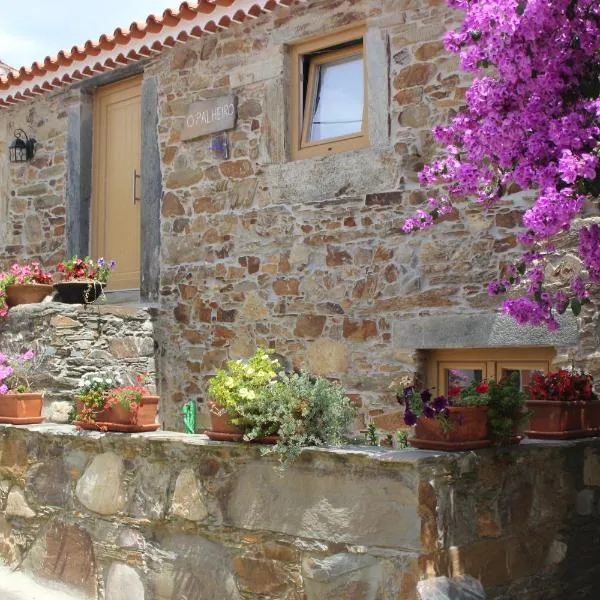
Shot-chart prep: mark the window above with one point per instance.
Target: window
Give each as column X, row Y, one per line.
column 446, row 368
column 329, row 104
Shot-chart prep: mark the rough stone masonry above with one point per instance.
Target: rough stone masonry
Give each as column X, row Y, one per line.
column 166, row 516
column 306, row 257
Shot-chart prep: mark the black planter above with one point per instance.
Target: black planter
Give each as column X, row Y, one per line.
column 79, row 292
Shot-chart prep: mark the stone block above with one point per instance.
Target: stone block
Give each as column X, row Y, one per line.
column 309, row 326
column 51, row 482
column 9, row 550
column 342, row 577
column 100, row 488
column 64, row 553
column 188, row 501
column 326, row 507
column 457, row 588
column 260, row 576
column 123, row 583
column 591, row 467
column 148, row 491
column 327, row 357
column 16, row 504
column 182, row 572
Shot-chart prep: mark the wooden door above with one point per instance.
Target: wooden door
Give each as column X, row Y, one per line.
column 116, row 184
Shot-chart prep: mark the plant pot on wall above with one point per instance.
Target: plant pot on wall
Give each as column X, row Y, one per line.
column 121, row 419
column 21, row 409
column 591, row 417
column 26, row 293
column 222, row 429
column 555, row 419
column 79, row 292
column 465, row 429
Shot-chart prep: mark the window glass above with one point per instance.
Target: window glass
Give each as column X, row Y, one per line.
column 338, row 101
column 462, row 377
column 525, row 376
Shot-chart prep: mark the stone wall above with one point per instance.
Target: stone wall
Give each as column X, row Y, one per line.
column 78, row 340
column 173, row 517
column 32, row 194
column 308, row 257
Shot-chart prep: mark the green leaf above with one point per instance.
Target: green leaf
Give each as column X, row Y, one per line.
column 521, row 269
column 521, row 7
column 576, row 306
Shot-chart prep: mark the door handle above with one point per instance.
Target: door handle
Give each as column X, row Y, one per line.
column 136, row 176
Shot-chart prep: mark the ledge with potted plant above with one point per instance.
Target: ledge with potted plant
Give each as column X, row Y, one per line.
column 290, row 411
column 563, row 405
column 23, row 284
column 105, row 403
column 469, row 418
column 19, row 405
column 83, row 280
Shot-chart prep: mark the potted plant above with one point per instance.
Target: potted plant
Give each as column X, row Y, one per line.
column 18, row 404
column 454, row 422
column 557, row 404
column 106, row 403
column 23, row 284
column 506, row 410
column 240, row 384
column 301, row 411
column 83, row 280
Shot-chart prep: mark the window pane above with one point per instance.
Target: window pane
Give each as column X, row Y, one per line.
column 463, row 377
column 525, row 376
column 339, row 99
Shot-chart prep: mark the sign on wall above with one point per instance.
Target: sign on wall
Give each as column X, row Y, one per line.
column 210, row 116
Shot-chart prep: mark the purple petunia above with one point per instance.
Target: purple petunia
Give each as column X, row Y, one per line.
column 410, row 419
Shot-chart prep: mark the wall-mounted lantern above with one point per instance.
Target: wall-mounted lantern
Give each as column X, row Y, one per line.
column 21, row 150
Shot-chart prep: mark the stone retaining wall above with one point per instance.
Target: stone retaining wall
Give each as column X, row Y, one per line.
column 166, row 516
column 79, row 340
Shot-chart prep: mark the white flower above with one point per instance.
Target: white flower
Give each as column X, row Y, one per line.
column 249, row 370
column 251, row 395
column 244, row 392
column 229, row 382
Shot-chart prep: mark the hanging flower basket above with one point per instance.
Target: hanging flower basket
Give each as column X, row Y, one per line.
column 26, row 293
column 21, row 408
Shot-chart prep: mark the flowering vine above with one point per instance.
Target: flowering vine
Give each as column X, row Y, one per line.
column 532, row 122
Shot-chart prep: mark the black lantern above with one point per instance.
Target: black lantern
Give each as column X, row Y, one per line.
column 21, row 150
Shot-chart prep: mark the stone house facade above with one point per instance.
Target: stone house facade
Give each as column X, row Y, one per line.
column 264, row 245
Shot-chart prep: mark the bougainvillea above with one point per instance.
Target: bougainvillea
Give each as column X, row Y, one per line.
column 531, row 120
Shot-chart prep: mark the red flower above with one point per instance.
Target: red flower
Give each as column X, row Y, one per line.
column 454, row 391
column 482, row 388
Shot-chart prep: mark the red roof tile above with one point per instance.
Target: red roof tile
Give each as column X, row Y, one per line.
column 130, row 44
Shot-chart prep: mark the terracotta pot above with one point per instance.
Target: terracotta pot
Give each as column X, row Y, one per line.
column 222, row 428
column 26, row 293
column 21, row 409
column 591, row 417
column 555, row 419
column 78, row 291
column 119, row 418
column 467, row 429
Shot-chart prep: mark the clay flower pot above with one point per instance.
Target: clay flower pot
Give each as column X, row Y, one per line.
column 79, row 291
column 591, row 417
column 467, row 429
column 555, row 419
column 21, row 409
column 26, row 293
column 222, row 429
column 119, row 418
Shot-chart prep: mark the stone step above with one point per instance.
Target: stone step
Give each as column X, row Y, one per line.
column 16, row 585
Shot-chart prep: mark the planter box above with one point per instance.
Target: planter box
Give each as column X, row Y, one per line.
column 467, row 430
column 552, row 419
column 222, row 429
column 591, row 417
column 21, row 409
column 27, row 293
column 79, row 292
column 121, row 419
